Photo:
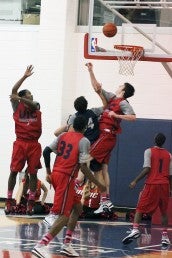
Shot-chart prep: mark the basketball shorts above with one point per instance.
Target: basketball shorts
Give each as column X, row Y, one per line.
column 153, row 196
column 26, row 151
column 65, row 196
column 101, row 149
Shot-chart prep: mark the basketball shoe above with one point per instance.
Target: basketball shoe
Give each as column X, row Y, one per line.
column 68, row 250
column 135, row 233
column 41, row 251
column 165, row 240
column 8, row 206
column 106, row 206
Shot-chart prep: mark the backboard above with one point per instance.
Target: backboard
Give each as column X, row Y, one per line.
column 154, row 38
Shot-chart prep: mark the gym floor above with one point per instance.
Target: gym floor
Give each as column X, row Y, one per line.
column 18, row 235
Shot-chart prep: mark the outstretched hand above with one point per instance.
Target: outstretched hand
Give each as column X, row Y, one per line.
column 89, row 66
column 29, row 71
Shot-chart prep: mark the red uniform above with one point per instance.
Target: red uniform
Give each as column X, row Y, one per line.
column 109, row 127
column 94, row 199
column 156, row 189
column 28, row 129
column 65, row 171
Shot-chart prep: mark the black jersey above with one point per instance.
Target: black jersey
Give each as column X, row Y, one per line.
column 92, row 131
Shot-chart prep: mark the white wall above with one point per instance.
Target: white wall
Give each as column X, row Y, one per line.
column 56, row 51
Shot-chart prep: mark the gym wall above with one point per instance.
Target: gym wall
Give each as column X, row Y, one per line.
column 128, row 156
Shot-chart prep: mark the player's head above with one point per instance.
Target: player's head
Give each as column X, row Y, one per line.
column 160, row 139
column 80, row 124
column 126, row 90
column 26, row 94
column 129, row 90
column 80, row 104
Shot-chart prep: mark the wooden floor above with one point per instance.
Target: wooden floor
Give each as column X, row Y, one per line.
column 98, row 239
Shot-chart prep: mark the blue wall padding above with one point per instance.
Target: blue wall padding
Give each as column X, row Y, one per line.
column 127, row 157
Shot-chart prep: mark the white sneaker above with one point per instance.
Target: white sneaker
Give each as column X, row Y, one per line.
column 108, row 206
column 68, row 250
column 135, row 233
column 165, row 240
column 49, row 219
column 99, row 210
column 41, row 251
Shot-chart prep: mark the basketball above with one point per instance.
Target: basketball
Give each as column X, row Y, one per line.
column 109, row 30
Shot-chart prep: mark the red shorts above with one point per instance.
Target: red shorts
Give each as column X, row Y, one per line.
column 26, row 151
column 65, row 196
column 101, row 149
column 153, row 196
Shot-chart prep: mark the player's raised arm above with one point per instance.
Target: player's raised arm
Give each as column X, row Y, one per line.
column 96, row 85
column 28, row 72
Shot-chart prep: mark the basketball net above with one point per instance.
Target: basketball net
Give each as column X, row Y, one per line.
column 128, row 57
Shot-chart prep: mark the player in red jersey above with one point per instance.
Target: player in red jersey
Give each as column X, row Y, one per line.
column 26, row 148
column 157, row 168
column 118, row 108
column 72, row 150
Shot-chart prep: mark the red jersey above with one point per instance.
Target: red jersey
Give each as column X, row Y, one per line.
column 94, row 199
column 160, row 163
column 107, row 122
column 67, row 159
column 28, row 125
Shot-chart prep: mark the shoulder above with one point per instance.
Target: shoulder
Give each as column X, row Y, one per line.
column 85, row 141
column 71, row 119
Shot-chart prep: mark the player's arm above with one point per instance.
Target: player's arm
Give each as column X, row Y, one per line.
column 60, row 130
column 84, row 158
column 47, row 157
column 103, row 98
column 123, row 117
column 146, row 168
column 96, row 85
column 127, row 110
column 28, row 72
column 45, row 192
column 142, row 174
column 47, row 160
column 86, row 171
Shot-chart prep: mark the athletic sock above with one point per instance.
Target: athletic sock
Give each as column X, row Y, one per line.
column 68, row 236
column 9, row 194
column 46, row 239
column 103, row 198
column 135, row 226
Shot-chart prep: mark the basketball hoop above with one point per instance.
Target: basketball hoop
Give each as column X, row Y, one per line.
column 128, row 57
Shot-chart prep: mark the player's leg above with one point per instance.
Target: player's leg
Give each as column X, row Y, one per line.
column 164, row 217
column 40, row 250
column 17, row 164
column 67, row 248
column 33, row 157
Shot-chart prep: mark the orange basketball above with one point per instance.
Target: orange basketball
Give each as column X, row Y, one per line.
column 109, row 30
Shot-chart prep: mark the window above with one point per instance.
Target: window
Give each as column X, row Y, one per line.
column 101, row 14
column 20, row 11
